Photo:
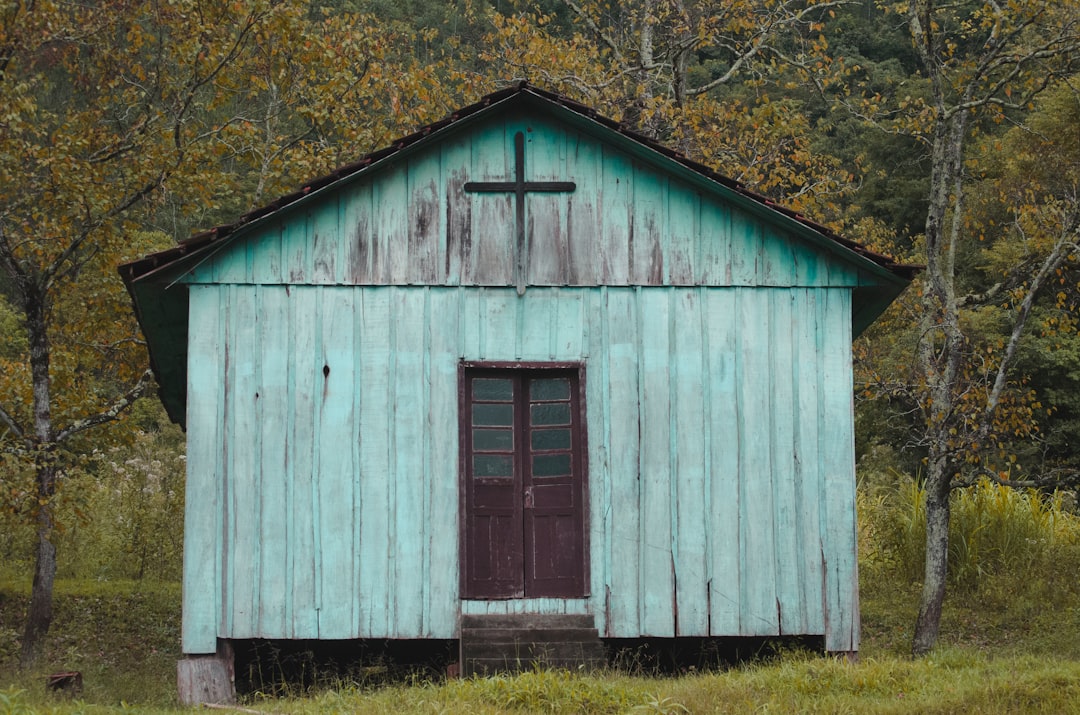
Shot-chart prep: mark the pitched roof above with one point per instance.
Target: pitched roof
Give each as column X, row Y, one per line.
column 161, row 305
column 153, row 262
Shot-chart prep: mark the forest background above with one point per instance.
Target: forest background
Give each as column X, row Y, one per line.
column 945, row 134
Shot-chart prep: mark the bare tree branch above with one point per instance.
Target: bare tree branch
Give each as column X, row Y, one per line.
column 1063, row 248
column 112, row 412
column 608, row 41
column 12, row 423
column 1057, row 478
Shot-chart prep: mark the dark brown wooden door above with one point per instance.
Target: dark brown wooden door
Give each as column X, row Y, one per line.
column 523, row 483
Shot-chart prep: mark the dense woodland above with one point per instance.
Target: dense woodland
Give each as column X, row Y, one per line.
column 945, row 134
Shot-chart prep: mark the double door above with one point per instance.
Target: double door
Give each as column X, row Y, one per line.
column 523, row 483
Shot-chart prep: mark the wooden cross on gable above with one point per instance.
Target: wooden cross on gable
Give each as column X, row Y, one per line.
column 519, row 186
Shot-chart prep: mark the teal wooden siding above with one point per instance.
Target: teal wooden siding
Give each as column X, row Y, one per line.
column 627, row 223
column 323, row 444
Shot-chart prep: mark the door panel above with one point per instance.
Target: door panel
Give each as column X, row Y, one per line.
column 494, row 559
column 523, row 483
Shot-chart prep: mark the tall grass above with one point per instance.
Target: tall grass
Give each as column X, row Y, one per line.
column 995, row 532
column 119, row 514
column 1008, row 640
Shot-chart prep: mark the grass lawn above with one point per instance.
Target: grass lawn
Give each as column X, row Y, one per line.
column 124, row 637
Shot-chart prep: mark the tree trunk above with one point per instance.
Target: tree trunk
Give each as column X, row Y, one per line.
column 928, row 624
column 39, row 615
column 940, row 358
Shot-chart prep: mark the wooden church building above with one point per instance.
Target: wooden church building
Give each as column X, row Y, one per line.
column 521, row 367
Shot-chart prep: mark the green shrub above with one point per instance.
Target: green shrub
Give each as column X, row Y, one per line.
column 996, row 532
column 119, row 512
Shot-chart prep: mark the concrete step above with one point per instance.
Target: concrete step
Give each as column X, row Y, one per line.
column 529, row 620
column 531, row 634
column 491, row 644
column 550, row 649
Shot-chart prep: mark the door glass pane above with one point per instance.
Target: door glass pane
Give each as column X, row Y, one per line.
column 551, row 465
column 558, row 389
column 498, row 415
column 493, row 465
column 557, row 413
column 551, row 439
column 493, row 440
column 494, row 390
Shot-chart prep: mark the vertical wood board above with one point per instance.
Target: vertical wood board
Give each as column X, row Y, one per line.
column 202, row 543
column 627, row 222
column 709, row 430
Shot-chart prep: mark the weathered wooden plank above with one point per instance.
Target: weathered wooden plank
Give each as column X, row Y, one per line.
column 841, row 577
column 568, row 329
column 429, row 435
column 723, row 426
column 409, row 419
column 335, row 403
column 442, row 479
column 757, row 555
column 414, row 224
column 786, row 536
column 357, row 617
column 241, row 466
column 656, row 587
column 375, row 326
column 777, row 259
column 295, row 247
column 456, row 167
column 307, row 373
column 808, row 465
column 570, row 606
column 583, row 217
column 272, row 411
column 598, row 451
column 318, row 364
column 647, row 231
column 674, row 332
column 490, row 260
column 623, row 610
column 498, row 318
column 227, row 266
column 392, row 474
column 289, row 438
column 469, row 327
column 546, row 219
column 265, row 255
column 714, row 259
column 689, row 429
column 207, row 679
column 534, row 321
column 391, row 194
column 841, row 275
column 616, row 198
column 357, row 233
column 202, row 542
column 326, row 240
column 682, row 239
column 425, row 219
column 745, row 268
column 811, row 264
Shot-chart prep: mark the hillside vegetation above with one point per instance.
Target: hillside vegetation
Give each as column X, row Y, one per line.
column 1011, row 622
column 941, row 133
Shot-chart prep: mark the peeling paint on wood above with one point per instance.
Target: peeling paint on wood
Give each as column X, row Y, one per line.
column 623, row 224
column 323, row 377
column 653, row 546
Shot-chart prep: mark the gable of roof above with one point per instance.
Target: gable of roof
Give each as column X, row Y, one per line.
column 160, row 298
column 198, row 243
